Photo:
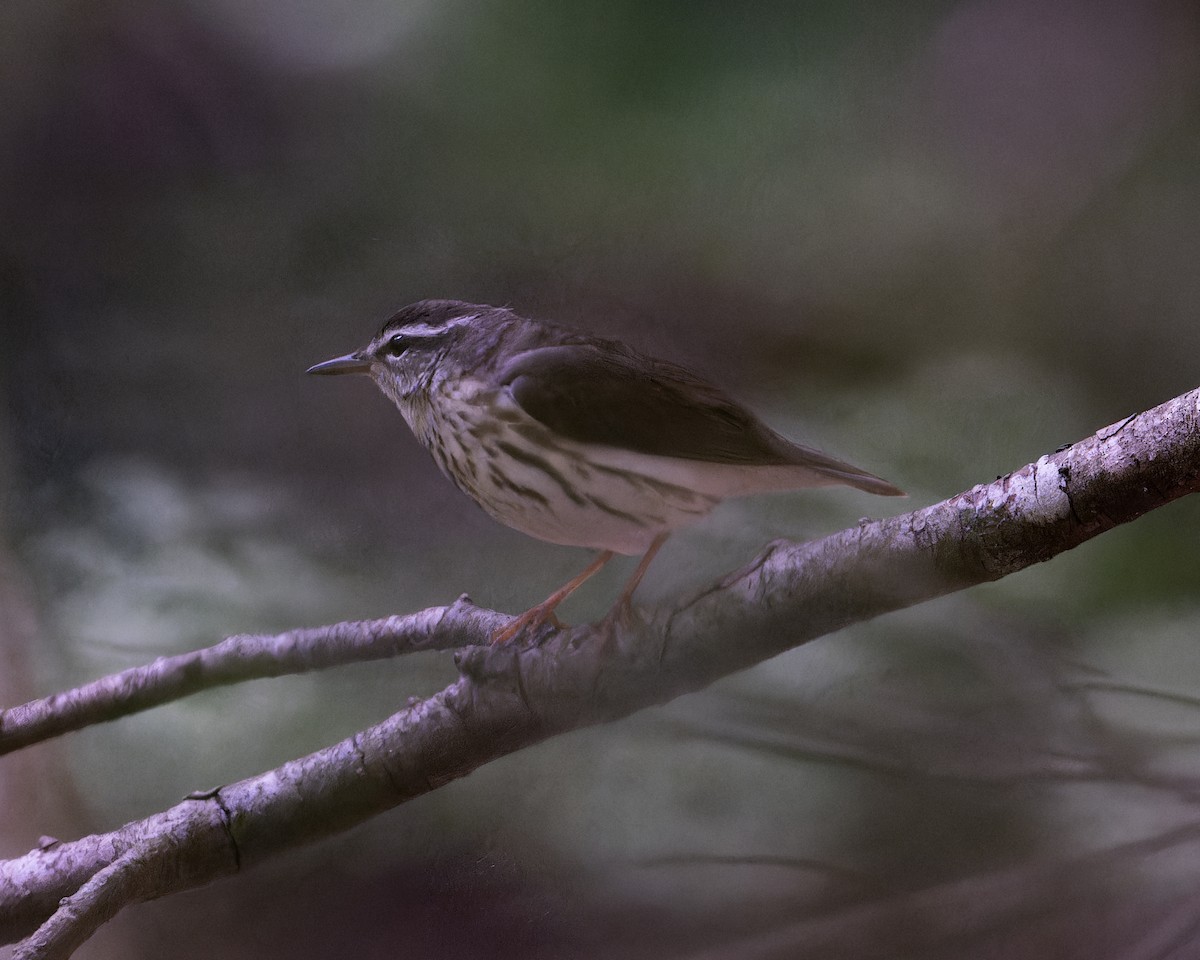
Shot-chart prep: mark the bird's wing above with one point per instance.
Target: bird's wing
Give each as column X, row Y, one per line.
column 610, row 396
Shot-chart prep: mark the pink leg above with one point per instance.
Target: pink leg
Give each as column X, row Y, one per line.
column 536, row 616
column 623, row 601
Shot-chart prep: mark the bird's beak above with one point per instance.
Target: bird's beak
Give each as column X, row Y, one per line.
column 350, row 363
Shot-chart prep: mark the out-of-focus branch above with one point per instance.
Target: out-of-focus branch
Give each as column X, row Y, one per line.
column 512, row 696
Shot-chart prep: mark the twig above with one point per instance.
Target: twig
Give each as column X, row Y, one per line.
column 244, row 657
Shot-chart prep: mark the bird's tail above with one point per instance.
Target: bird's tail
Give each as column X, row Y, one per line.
column 813, row 462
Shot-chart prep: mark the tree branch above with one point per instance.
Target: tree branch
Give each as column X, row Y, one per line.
column 245, row 657
column 93, row 904
column 512, row 696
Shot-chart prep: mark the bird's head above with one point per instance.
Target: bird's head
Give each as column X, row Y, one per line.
column 418, row 343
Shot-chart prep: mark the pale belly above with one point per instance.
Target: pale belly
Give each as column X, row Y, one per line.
column 569, row 493
column 547, row 487
column 560, row 495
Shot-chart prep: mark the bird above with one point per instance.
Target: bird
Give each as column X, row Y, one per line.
column 577, row 439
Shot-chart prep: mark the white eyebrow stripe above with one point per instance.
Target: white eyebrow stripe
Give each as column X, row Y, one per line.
column 422, row 330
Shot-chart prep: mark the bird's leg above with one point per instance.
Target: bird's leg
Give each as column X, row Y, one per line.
column 625, row 601
column 536, row 616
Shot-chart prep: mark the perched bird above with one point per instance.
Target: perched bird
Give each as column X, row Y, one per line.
column 576, row 439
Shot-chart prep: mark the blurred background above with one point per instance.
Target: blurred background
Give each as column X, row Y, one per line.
column 937, row 239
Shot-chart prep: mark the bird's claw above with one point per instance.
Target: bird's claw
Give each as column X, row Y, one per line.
column 529, row 620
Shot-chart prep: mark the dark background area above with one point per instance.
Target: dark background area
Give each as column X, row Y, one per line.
column 937, row 239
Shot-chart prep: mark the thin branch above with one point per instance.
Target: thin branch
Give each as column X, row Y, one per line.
column 92, row 905
column 1135, row 690
column 244, row 657
column 512, row 696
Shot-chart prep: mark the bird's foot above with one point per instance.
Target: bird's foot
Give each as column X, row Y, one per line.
column 544, row 611
column 620, row 620
column 622, row 614
column 531, row 619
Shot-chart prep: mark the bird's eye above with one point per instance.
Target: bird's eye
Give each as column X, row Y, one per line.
column 396, row 346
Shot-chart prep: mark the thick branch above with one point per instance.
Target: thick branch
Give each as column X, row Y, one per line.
column 510, row 697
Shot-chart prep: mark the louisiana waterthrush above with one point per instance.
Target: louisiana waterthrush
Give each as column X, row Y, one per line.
column 575, row 439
